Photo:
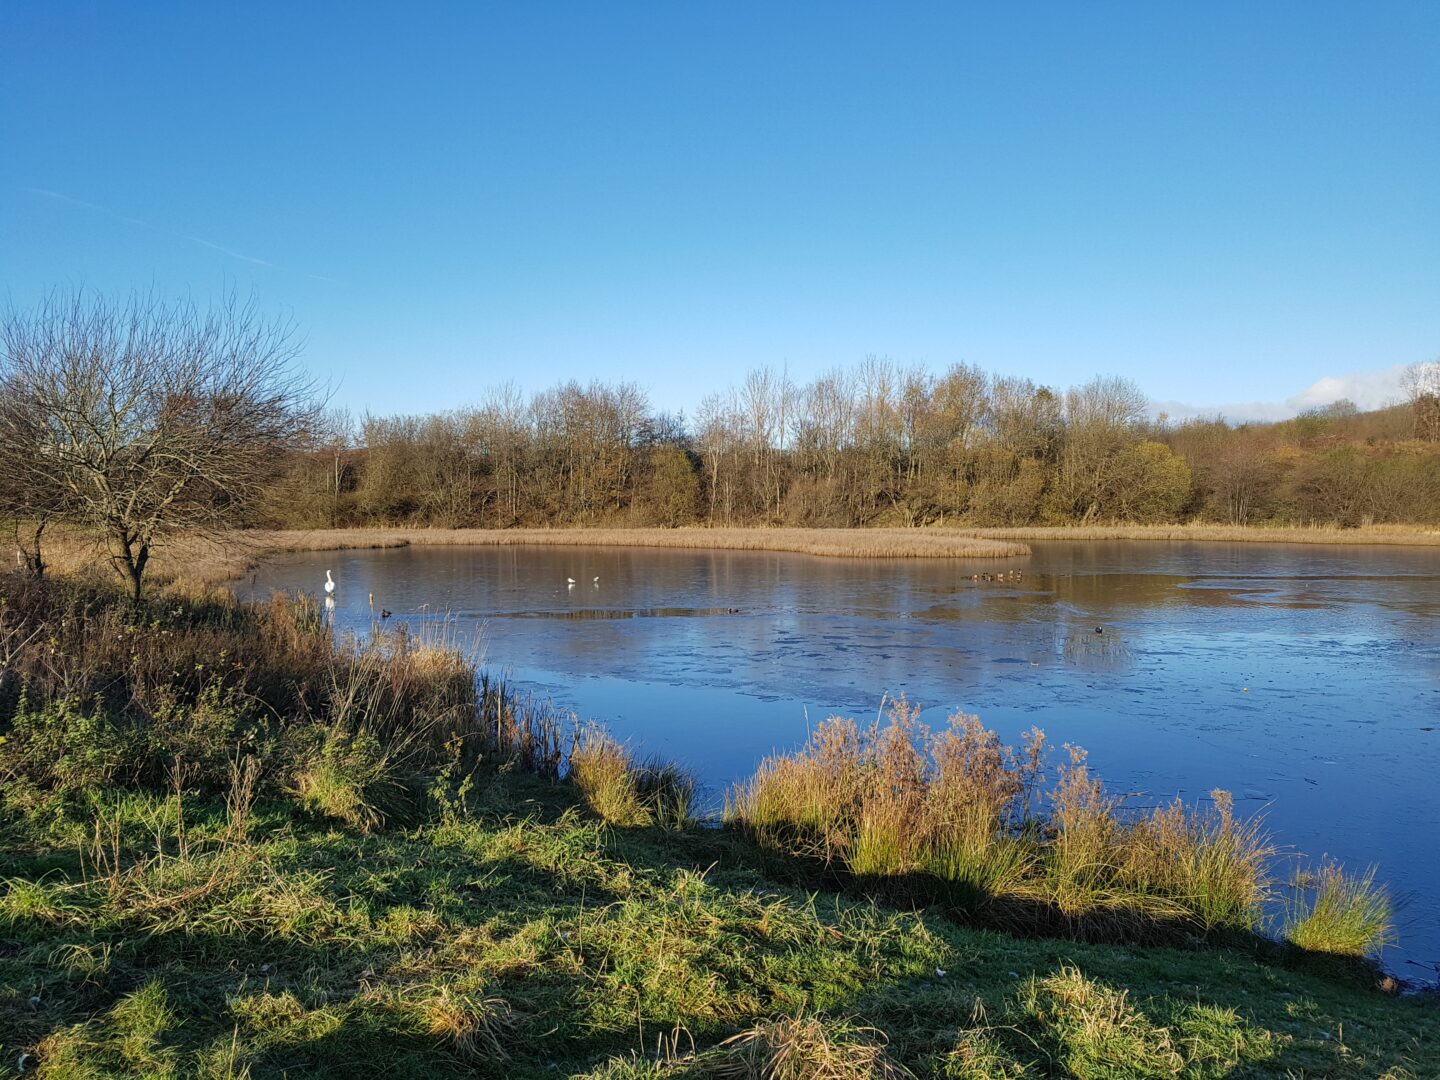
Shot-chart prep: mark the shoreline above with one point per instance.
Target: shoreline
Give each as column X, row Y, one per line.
column 528, row 893
column 239, row 554
column 216, row 561
column 1361, row 536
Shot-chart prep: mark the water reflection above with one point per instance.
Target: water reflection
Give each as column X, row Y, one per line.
column 615, row 613
column 1097, row 650
column 1306, row 679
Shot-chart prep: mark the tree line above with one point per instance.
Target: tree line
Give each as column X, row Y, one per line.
column 137, row 419
column 874, row 443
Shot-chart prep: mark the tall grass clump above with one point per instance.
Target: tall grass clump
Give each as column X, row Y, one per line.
column 1216, row 865
column 99, row 693
column 625, row 792
column 520, row 732
column 958, row 817
column 1344, row 915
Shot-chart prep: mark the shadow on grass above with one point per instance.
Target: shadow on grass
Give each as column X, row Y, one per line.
column 603, row 942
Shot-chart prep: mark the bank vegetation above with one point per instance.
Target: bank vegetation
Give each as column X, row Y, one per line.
column 877, row 444
column 234, row 846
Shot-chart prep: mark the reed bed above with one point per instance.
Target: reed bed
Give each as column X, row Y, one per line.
column 520, row 732
column 853, row 543
column 958, row 818
column 1395, row 535
column 199, row 563
column 224, row 559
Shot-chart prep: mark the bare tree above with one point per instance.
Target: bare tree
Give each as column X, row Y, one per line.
column 28, row 501
column 142, row 419
column 1421, row 382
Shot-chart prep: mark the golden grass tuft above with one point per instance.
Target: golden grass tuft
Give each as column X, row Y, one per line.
column 623, row 792
column 954, row 816
column 474, row 1027
column 604, row 772
column 804, row 1049
column 1092, row 1030
column 1345, row 916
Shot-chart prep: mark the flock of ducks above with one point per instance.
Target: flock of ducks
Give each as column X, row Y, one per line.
column 1003, row 575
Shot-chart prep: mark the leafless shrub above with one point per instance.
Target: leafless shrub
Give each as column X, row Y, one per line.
column 142, row 419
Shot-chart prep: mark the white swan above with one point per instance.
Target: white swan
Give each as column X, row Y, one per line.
column 329, row 584
column 570, row 581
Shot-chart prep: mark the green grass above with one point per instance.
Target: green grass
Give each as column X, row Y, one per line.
column 1343, row 916
column 230, row 849
column 956, row 818
column 515, row 934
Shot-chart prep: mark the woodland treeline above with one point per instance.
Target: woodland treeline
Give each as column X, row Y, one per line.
column 871, row 444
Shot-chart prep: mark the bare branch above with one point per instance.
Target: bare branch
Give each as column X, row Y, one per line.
column 144, row 418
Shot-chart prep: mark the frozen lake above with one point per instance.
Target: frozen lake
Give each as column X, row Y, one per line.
column 1305, row 679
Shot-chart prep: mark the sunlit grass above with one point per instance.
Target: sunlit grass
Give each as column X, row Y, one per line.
column 228, row 849
column 958, row 817
column 622, row 791
column 1342, row 915
column 524, row 939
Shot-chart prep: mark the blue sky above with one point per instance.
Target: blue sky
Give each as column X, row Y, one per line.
column 1227, row 202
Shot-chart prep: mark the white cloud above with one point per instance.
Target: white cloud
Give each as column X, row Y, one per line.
column 1367, row 389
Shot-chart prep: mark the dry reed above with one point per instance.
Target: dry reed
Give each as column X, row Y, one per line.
column 212, row 562
column 804, row 1049
column 1395, row 535
column 952, row 816
column 205, row 562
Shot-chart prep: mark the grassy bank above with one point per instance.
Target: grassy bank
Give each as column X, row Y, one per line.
column 229, row 848
column 514, row 935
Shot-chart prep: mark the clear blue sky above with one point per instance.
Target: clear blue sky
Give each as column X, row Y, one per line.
column 1223, row 201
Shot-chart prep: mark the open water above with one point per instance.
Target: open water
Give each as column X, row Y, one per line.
column 1305, row 679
